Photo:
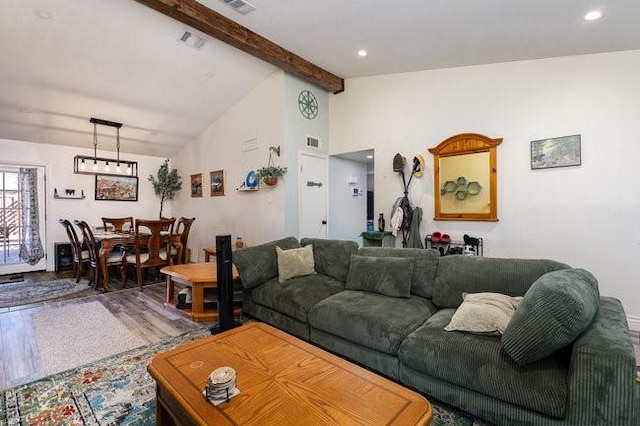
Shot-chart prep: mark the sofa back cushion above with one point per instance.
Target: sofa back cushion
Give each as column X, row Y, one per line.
column 389, row 276
column 558, row 307
column 424, row 270
column 259, row 264
column 332, row 257
column 474, row 274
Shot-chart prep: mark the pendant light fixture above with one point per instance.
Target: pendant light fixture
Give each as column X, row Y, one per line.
column 100, row 165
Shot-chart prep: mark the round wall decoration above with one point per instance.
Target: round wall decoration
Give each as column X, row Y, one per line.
column 308, row 105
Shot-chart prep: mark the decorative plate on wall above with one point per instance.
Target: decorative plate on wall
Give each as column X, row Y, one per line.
column 308, row 104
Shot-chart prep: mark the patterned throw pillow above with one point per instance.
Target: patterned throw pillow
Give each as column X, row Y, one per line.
column 486, row 313
column 295, row 263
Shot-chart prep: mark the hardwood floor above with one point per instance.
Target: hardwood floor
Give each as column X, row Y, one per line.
column 142, row 312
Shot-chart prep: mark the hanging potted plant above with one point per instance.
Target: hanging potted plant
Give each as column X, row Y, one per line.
column 270, row 174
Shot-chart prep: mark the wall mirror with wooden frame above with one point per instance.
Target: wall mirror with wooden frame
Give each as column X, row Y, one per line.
column 466, row 178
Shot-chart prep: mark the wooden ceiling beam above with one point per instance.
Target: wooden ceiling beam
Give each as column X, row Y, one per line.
column 210, row 22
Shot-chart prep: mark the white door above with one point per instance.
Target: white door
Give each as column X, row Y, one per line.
column 11, row 222
column 312, row 196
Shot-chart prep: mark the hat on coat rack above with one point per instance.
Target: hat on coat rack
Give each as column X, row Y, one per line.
column 418, row 165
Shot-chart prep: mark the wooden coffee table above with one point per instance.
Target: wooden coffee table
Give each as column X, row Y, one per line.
column 282, row 381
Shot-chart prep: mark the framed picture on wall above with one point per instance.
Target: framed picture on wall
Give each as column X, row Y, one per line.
column 217, row 183
column 556, row 152
column 196, row 185
column 116, row 188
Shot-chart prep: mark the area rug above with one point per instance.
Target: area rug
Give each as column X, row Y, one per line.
column 118, row 390
column 114, row 391
column 25, row 293
column 77, row 334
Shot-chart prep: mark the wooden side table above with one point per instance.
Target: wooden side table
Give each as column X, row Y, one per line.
column 198, row 276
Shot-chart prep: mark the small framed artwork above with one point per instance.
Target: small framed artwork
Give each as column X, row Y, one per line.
column 217, row 183
column 196, row 185
column 116, row 188
column 556, row 152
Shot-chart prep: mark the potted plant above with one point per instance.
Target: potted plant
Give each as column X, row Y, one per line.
column 270, row 174
column 167, row 184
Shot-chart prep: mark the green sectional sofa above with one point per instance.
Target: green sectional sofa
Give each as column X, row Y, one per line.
column 565, row 356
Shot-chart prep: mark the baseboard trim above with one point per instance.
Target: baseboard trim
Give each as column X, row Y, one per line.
column 634, row 323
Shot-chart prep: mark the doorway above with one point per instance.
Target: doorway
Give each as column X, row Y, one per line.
column 12, row 220
column 351, row 194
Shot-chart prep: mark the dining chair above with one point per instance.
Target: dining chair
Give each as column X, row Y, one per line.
column 118, row 223
column 80, row 256
column 115, row 258
column 182, row 229
column 150, row 237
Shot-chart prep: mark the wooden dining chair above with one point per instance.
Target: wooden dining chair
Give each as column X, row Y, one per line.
column 118, row 223
column 80, row 257
column 115, row 257
column 150, row 237
column 182, row 228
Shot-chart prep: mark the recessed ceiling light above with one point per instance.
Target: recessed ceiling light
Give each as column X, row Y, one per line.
column 593, row 15
column 362, row 53
column 43, row 14
column 369, row 157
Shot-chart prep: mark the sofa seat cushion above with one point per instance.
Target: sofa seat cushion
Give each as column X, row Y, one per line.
column 371, row 320
column 295, row 296
column 479, row 363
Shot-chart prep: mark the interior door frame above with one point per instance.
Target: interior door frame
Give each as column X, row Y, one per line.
column 324, row 157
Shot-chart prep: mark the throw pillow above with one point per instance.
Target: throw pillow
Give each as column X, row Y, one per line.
column 486, row 313
column 295, row 262
column 389, row 276
column 557, row 308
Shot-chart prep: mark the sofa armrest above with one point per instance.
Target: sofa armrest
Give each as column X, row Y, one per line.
column 602, row 371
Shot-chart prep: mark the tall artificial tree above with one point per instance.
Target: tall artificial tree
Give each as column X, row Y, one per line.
column 167, row 184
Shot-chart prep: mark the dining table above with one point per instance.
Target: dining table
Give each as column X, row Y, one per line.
column 109, row 240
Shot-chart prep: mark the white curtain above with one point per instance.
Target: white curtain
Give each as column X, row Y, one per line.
column 31, row 250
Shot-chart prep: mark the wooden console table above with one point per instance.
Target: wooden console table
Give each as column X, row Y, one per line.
column 198, row 276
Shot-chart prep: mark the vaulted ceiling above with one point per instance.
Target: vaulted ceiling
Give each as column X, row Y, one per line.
column 64, row 61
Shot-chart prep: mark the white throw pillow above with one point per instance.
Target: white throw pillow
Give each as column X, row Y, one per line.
column 487, row 313
column 295, row 262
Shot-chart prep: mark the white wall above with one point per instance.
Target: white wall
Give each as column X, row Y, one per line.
column 587, row 216
column 58, row 162
column 255, row 216
column 297, row 128
column 347, row 213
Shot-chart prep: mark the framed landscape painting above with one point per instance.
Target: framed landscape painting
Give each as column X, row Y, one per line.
column 556, row 152
column 217, row 183
column 116, row 188
column 196, row 185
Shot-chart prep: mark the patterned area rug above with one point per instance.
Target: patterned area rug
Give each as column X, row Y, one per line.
column 119, row 391
column 24, row 293
column 115, row 391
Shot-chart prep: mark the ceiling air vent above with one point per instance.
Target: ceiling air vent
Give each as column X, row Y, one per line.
column 191, row 39
column 240, row 6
